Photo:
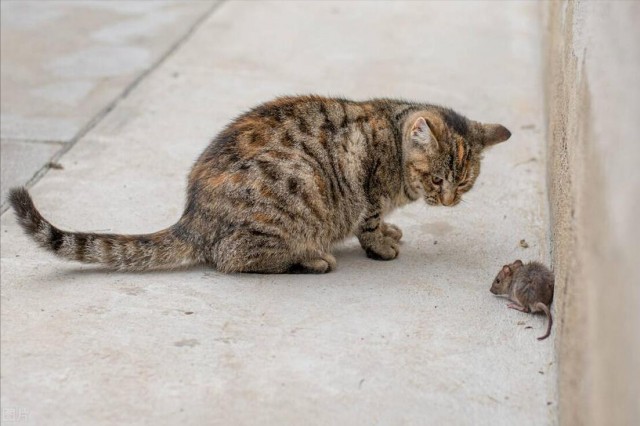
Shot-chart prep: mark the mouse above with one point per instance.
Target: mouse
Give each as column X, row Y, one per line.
column 529, row 287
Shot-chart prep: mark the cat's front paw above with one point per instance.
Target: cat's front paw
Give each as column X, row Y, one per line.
column 391, row 231
column 385, row 249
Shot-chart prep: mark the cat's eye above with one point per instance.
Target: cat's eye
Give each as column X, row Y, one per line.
column 436, row 180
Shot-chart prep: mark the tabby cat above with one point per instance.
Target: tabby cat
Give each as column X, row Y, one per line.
column 290, row 178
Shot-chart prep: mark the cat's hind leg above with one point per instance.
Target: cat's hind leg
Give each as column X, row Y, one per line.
column 248, row 251
column 259, row 252
column 316, row 263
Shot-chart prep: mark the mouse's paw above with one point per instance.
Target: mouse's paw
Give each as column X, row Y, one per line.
column 517, row 307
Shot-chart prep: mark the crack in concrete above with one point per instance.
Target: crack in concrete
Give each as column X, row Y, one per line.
column 114, row 103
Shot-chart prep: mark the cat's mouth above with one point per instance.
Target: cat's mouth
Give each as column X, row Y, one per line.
column 432, row 200
column 436, row 197
column 452, row 202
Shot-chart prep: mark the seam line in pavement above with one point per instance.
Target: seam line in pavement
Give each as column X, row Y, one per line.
column 103, row 112
column 34, row 141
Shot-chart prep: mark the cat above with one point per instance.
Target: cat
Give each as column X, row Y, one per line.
column 285, row 181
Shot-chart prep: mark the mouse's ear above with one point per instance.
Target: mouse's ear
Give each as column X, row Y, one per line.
column 506, row 270
column 518, row 263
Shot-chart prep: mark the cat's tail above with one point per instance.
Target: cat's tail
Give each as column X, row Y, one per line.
column 160, row 250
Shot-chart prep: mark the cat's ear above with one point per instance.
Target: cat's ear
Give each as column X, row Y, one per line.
column 494, row 133
column 422, row 133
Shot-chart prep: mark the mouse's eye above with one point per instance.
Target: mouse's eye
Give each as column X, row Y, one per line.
column 498, row 280
column 436, row 180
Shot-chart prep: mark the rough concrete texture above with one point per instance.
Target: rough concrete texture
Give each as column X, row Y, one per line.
column 418, row 340
column 66, row 62
column 592, row 90
column 20, row 161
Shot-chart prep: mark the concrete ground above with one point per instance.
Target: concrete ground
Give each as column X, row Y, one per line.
column 66, row 63
column 419, row 340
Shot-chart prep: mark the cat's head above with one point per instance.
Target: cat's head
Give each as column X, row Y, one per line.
column 443, row 151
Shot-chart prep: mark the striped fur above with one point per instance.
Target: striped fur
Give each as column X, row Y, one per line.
column 288, row 179
column 160, row 250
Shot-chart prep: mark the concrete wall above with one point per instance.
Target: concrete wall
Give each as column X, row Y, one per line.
column 593, row 86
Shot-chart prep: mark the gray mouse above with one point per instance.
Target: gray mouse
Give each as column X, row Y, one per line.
column 529, row 287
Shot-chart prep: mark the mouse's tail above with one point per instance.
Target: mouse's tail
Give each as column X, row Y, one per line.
column 544, row 308
column 160, row 250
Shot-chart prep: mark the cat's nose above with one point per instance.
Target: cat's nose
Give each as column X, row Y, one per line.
column 448, row 198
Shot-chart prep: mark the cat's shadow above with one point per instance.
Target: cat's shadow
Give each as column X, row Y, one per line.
column 349, row 255
column 453, row 253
